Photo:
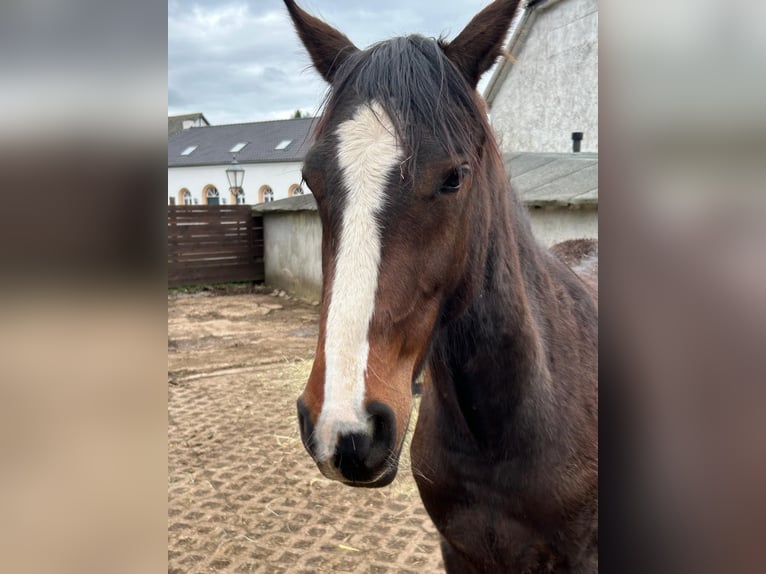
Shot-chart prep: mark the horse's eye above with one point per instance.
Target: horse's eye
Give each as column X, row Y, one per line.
column 455, row 179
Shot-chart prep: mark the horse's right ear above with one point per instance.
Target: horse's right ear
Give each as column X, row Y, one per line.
column 327, row 47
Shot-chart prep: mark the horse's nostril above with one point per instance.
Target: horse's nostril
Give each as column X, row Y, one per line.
column 384, row 428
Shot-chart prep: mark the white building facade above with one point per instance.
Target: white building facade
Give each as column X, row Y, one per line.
column 270, row 153
column 199, row 185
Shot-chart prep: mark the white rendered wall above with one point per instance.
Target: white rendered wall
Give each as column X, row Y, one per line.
column 293, row 252
column 293, row 243
column 552, row 90
column 554, row 225
column 279, row 176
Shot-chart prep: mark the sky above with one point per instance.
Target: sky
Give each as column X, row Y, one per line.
column 241, row 61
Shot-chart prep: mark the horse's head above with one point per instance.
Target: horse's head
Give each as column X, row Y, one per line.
column 395, row 171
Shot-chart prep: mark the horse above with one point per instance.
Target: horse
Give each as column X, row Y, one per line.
column 429, row 264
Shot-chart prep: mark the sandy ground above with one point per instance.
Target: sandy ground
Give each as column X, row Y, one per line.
column 243, row 495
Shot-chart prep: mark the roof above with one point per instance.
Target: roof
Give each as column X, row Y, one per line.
column 557, row 180
column 176, row 123
column 554, row 179
column 215, row 142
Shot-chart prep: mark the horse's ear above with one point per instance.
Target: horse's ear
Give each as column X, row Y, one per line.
column 479, row 44
column 327, row 47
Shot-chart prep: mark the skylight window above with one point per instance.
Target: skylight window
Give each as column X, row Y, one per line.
column 239, row 147
column 189, row 149
column 283, row 144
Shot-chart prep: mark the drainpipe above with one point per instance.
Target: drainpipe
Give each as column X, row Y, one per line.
column 522, row 22
column 518, row 22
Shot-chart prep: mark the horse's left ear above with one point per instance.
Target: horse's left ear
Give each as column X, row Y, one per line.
column 479, row 44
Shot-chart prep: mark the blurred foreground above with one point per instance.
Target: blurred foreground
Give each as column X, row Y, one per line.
column 83, row 301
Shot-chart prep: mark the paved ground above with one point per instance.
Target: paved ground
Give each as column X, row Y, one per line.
column 243, row 496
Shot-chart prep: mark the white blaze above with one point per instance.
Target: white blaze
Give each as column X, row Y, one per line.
column 367, row 154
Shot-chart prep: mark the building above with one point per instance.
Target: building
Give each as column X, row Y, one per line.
column 550, row 91
column 271, row 154
column 178, row 123
column 543, row 105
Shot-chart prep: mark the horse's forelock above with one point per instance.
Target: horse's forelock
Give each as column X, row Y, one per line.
column 421, row 91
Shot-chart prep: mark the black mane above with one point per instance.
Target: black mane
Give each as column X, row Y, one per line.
column 422, row 92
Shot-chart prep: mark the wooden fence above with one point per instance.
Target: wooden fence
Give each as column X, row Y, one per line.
column 214, row 244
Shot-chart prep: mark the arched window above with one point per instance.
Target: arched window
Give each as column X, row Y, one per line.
column 238, row 198
column 210, row 195
column 184, row 197
column 265, row 194
column 295, row 189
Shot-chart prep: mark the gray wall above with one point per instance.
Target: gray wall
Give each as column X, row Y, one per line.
column 552, row 90
column 293, row 252
column 552, row 225
column 293, row 242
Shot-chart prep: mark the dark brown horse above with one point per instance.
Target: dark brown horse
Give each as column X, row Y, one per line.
column 429, row 262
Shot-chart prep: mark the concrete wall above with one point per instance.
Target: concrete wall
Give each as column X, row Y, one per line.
column 293, row 252
column 293, row 243
column 279, row 176
column 552, row 225
column 552, row 90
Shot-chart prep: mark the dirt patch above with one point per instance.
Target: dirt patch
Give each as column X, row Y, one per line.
column 243, row 496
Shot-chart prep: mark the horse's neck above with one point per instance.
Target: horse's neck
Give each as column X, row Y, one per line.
column 494, row 359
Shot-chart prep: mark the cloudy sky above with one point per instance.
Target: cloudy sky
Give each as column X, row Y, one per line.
column 241, row 61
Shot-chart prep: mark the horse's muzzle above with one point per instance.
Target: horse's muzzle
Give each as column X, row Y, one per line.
column 360, row 459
